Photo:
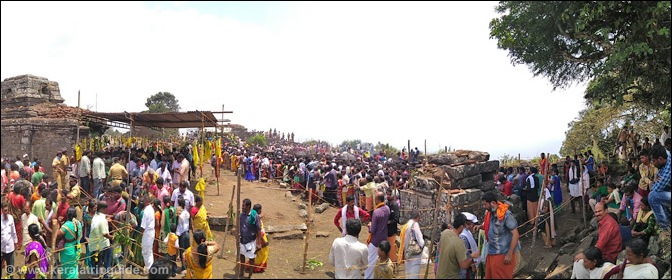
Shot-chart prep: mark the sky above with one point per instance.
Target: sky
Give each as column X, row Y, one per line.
column 376, row 71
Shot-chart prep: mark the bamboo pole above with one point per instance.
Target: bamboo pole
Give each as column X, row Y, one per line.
column 240, row 265
column 228, row 220
column 542, row 198
column 307, row 236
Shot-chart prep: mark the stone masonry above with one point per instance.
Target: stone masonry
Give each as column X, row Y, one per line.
column 34, row 120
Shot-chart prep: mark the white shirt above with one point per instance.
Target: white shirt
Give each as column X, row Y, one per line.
column 182, row 223
column 188, row 198
column 27, row 220
column 98, row 169
column 148, row 218
column 154, row 165
column 349, row 257
column 8, row 234
column 663, row 137
column 640, row 271
column 99, row 227
column 84, row 167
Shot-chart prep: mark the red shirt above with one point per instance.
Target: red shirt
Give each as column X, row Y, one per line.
column 363, row 216
column 508, row 188
column 609, row 238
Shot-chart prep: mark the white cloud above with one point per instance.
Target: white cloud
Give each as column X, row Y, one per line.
column 331, row 70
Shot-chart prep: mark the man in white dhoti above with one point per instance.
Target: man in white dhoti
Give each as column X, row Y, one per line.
column 148, row 233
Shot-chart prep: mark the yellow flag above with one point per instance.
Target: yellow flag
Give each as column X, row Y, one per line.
column 197, row 161
column 218, row 148
column 78, row 153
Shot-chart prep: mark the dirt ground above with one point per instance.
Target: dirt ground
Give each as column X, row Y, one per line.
column 286, row 256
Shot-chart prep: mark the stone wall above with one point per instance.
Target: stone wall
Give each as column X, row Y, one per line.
column 464, row 176
column 39, row 138
column 28, row 90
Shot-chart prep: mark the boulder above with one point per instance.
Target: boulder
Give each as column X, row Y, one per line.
column 322, row 207
column 424, row 184
column 487, row 186
column 445, row 159
column 469, row 182
column 303, row 206
column 322, row 234
column 289, row 194
column 303, row 213
column 468, row 170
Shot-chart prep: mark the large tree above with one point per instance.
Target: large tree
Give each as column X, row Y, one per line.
column 162, row 102
column 621, row 47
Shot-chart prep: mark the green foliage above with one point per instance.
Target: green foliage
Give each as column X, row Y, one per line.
column 257, row 140
column 621, row 47
column 162, row 102
column 387, row 149
column 313, row 263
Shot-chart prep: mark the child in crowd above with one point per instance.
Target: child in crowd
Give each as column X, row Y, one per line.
column 172, row 244
column 385, row 267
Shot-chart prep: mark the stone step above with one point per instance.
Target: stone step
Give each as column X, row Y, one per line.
column 563, row 270
column 285, row 228
column 291, row 235
column 547, row 260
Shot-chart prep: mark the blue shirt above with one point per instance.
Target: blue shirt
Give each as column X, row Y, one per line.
column 248, row 232
column 590, row 163
column 663, row 185
column 626, row 234
column 499, row 233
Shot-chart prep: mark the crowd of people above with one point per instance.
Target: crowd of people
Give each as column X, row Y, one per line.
column 86, row 215
column 94, row 199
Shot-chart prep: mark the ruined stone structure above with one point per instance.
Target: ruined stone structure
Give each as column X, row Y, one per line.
column 34, row 120
column 464, row 176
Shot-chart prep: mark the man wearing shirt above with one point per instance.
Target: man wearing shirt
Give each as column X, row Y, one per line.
column 659, row 197
column 98, row 173
column 347, row 254
column 84, row 172
column 609, row 239
column 99, row 238
column 148, row 224
column 378, row 231
column 186, row 194
column 349, row 211
column 8, row 237
column 118, row 173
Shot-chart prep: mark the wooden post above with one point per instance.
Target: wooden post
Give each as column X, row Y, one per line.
column 305, row 243
column 240, row 265
column 434, row 221
column 228, row 220
column 129, row 190
column 425, row 154
column 408, row 153
column 54, row 230
column 583, row 193
column 79, row 115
